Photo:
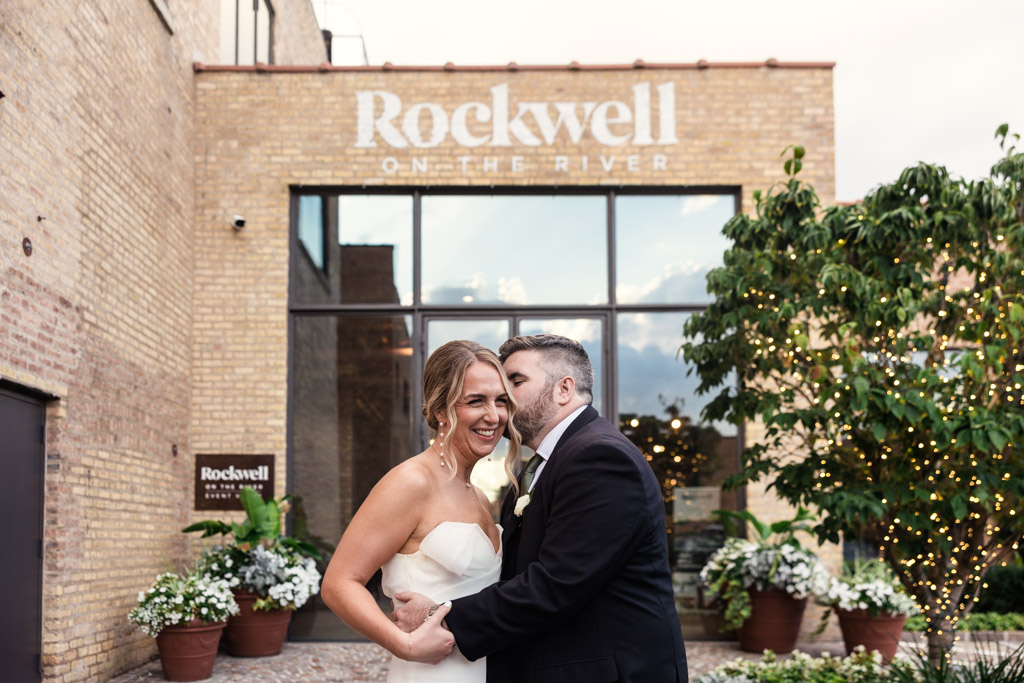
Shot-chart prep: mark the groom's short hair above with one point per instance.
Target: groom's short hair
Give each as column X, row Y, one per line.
column 563, row 357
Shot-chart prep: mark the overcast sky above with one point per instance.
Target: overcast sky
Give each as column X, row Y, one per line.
column 915, row 80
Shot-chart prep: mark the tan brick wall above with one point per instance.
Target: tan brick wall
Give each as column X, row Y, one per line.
column 733, row 123
column 97, row 170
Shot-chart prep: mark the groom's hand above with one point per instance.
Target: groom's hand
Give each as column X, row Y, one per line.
column 413, row 613
column 432, row 642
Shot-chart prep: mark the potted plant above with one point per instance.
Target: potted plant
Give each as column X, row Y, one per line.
column 186, row 614
column 871, row 607
column 271, row 574
column 762, row 584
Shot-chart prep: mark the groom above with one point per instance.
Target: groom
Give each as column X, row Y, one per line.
column 585, row 592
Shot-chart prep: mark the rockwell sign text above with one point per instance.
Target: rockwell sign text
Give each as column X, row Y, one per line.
column 220, row 478
column 495, row 126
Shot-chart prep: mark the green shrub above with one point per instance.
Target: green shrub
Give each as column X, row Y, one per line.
column 975, row 621
column 1005, row 592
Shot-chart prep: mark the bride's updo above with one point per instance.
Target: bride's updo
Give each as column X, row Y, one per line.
column 444, row 377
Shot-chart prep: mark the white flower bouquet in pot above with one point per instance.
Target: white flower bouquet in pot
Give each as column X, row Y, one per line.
column 871, row 607
column 271, row 574
column 741, row 566
column 868, row 585
column 179, row 600
column 186, row 615
column 282, row 577
column 773, row 560
column 280, row 570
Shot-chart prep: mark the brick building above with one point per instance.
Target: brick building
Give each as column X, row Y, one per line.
column 386, row 210
column 97, row 272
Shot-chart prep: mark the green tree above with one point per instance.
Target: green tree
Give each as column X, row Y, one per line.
column 880, row 345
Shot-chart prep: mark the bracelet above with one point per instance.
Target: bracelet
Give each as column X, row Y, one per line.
column 430, row 612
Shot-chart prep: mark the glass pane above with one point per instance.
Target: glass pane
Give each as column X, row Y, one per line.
column 369, row 250
column 491, row 333
column 351, row 422
column 375, row 235
column 659, row 411
column 586, row 331
column 666, row 244
column 311, row 228
column 519, row 250
column 489, row 473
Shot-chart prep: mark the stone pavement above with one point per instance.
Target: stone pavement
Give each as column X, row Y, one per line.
column 343, row 662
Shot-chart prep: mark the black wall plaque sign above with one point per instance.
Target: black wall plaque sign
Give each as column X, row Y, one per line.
column 220, row 478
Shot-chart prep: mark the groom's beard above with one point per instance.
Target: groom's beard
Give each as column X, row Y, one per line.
column 531, row 418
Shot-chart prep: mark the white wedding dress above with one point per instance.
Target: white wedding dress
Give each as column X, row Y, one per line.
column 454, row 560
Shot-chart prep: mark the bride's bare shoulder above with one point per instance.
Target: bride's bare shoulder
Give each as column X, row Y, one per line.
column 410, row 476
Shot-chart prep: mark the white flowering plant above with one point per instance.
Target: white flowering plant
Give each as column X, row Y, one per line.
column 281, row 576
column 280, row 569
column 284, row 579
column 774, row 560
column 176, row 599
column 868, row 585
column 222, row 562
column 859, row 667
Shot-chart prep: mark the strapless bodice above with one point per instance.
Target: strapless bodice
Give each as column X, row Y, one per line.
column 454, row 560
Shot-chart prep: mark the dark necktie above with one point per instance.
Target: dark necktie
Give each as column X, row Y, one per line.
column 526, row 478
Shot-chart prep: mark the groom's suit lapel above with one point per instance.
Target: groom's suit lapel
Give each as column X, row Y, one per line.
column 586, row 417
column 509, row 535
column 511, row 524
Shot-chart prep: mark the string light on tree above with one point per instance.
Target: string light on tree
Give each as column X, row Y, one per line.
column 905, row 367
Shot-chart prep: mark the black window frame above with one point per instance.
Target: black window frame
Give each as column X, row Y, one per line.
column 420, row 311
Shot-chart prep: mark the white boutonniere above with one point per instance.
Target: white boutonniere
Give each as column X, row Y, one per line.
column 521, row 504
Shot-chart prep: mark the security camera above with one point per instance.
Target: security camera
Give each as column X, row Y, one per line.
column 238, row 222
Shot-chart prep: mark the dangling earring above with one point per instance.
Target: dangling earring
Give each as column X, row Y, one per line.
column 440, row 441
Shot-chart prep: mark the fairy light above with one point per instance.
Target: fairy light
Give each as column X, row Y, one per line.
column 961, row 517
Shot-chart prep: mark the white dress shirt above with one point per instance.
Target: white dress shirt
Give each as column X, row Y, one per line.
column 550, row 441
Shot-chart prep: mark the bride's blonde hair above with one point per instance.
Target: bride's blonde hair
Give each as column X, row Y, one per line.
column 444, row 377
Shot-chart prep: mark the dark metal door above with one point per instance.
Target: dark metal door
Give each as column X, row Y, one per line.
column 22, row 420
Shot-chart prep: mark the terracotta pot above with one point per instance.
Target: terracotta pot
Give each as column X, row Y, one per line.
column 880, row 633
column 187, row 653
column 256, row 633
column 774, row 622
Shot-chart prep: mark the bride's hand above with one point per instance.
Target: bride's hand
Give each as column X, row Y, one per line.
column 431, row 642
column 411, row 615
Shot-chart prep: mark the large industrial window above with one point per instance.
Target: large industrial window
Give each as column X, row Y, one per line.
column 396, row 273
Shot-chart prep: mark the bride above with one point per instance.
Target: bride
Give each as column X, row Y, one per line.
column 424, row 524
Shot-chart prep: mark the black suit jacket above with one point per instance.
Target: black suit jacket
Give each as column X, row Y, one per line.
column 586, row 590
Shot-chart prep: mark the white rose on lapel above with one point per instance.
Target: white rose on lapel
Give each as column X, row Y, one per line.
column 521, row 504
